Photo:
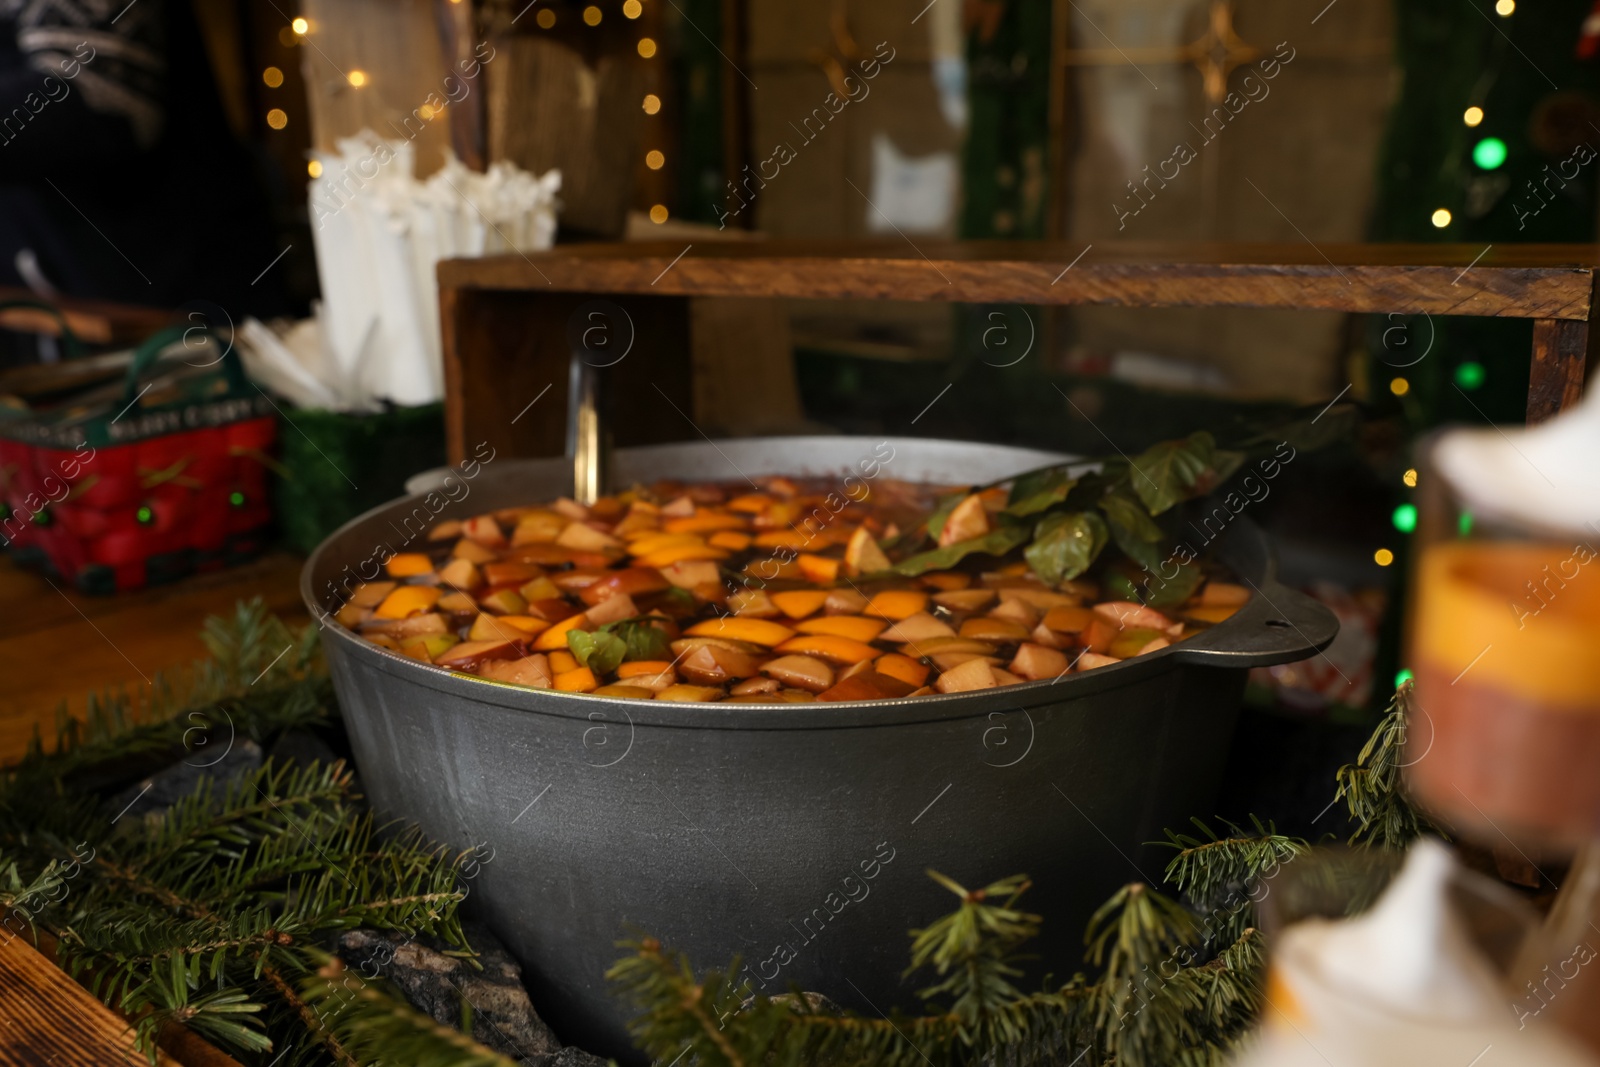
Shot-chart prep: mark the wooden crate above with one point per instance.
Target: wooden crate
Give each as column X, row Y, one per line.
column 505, row 318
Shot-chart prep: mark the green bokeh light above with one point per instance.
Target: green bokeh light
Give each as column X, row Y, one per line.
column 1489, row 153
column 1402, row 678
column 1470, row 375
column 236, row 498
column 1464, row 524
column 144, row 515
column 1405, row 518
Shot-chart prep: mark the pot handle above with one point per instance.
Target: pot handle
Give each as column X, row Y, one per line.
column 1278, row 625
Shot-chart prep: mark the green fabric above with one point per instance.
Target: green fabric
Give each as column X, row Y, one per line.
column 1006, row 159
column 697, row 68
column 337, row 466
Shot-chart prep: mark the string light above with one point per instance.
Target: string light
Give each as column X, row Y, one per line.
column 633, row 9
column 273, row 77
column 592, row 15
column 658, row 214
column 1470, row 375
column 1399, row 387
column 277, row 118
column 647, row 47
column 1383, row 557
column 357, row 78
column 654, row 159
column 1410, row 478
column 1489, row 153
column 314, row 168
column 1442, row 217
column 1402, row 678
column 652, row 103
column 300, row 26
column 1472, row 116
column 545, row 18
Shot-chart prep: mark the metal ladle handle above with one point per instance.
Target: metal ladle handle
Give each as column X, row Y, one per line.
column 586, row 446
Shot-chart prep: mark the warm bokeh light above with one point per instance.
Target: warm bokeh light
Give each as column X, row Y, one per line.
column 647, row 47
column 1505, row 7
column 592, row 15
column 1442, row 217
column 633, row 9
column 1472, row 116
column 277, row 118
column 1383, row 557
column 1410, row 478
column 1399, row 387
column 300, row 26
column 358, row 78
column 654, row 159
column 658, row 214
column 314, row 168
column 427, row 111
column 273, row 77
column 545, row 18
column 652, row 103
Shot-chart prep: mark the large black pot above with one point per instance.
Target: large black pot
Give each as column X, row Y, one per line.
column 794, row 836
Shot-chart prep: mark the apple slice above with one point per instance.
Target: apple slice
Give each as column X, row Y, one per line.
column 752, row 686
column 753, row 604
column 916, row 628
column 471, row 653
column 1017, row 611
column 844, row 602
column 371, row 594
column 691, row 694
column 688, row 574
column 1036, row 662
column 538, row 526
column 1090, row 660
column 800, row 672
column 581, row 537
column 972, row 675
column 484, row 530
column 965, row 599
column 1126, row 614
column 613, row 609
column 969, row 519
column 862, row 555
column 461, row 574
column 711, row 665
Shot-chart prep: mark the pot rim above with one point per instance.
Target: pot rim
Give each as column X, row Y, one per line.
column 1296, row 626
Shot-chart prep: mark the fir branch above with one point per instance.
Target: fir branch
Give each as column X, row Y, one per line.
column 1220, row 875
column 1374, row 789
column 369, row 1024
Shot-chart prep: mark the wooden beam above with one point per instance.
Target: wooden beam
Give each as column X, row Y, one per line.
column 1560, row 358
column 1537, row 282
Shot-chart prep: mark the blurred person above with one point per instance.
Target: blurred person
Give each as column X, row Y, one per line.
column 120, row 178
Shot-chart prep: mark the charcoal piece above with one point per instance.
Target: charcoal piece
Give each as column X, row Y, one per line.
column 166, row 787
column 503, row 1018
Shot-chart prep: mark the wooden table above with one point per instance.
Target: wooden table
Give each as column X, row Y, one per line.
column 505, row 319
column 57, row 645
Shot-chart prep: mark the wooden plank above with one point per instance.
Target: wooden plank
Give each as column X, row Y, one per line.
column 505, row 363
column 1560, row 358
column 58, row 644
column 48, row 1020
column 1540, row 282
